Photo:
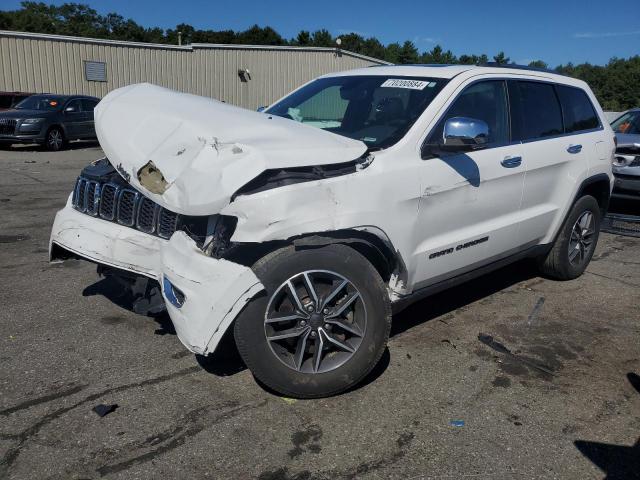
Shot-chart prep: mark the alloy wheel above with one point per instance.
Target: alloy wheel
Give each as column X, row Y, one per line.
column 54, row 139
column 581, row 238
column 315, row 321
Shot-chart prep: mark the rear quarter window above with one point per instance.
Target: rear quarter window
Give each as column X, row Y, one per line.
column 535, row 110
column 577, row 109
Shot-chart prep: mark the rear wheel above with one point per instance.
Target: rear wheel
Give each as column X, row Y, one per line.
column 576, row 242
column 54, row 140
column 321, row 326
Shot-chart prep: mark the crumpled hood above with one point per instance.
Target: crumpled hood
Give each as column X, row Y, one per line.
column 190, row 154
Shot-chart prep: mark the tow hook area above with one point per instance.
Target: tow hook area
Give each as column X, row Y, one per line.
column 146, row 294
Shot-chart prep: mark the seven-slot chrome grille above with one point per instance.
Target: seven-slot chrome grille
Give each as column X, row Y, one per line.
column 123, row 205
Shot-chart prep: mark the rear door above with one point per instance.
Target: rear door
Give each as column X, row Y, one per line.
column 88, row 105
column 556, row 154
column 469, row 211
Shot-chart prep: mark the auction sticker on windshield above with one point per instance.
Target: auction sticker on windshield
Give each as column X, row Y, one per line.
column 401, row 83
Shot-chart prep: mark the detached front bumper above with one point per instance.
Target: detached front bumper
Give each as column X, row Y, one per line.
column 203, row 295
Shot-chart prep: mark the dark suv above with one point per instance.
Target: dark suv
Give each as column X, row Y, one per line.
column 50, row 120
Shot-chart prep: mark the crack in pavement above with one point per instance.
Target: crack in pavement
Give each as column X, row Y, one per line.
column 44, row 399
column 179, row 434
column 12, row 454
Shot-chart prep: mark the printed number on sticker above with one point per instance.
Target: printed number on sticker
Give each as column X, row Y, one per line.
column 400, row 83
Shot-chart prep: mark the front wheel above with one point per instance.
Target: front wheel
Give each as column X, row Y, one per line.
column 54, row 140
column 321, row 325
column 576, row 242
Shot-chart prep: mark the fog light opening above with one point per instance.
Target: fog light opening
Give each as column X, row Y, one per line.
column 174, row 295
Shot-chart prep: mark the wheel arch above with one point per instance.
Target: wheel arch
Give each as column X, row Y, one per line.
column 370, row 242
column 599, row 187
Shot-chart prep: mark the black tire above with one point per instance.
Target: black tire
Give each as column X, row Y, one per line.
column 54, row 140
column 557, row 263
column 274, row 270
column 5, row 145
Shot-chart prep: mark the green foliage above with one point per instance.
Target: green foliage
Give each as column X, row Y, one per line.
column 617, row 84
column 501, row 59
column 538, row 64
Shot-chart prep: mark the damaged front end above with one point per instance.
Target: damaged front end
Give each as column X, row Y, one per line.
column 154, row 207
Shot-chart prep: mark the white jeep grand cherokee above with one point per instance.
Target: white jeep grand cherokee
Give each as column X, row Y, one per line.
column 306, row 225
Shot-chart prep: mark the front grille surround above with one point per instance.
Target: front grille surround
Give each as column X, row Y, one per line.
column 125, row 206
column 8, row 126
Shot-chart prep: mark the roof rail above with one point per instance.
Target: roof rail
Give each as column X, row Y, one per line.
column 518, row 67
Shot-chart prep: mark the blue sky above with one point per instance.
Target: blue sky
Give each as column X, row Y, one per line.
column 554, row 31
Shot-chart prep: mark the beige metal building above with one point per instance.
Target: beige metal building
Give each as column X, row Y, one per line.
column 244, row 75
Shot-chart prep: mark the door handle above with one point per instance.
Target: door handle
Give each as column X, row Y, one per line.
column 574, row 148
column 511, row 162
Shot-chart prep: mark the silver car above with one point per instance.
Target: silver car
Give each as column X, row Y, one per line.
column 626, row 166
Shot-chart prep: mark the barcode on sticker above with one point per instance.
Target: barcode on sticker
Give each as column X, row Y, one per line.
column 400, row 83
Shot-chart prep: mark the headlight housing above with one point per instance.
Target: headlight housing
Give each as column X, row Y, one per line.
column 31, row 121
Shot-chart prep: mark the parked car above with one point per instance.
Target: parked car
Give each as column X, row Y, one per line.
column 9, row 100
column 303, row 227
column 626, row 166
column 50, row 120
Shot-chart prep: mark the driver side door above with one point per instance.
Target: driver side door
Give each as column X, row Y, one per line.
column 470, row 203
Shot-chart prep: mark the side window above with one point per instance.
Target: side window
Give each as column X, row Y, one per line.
column 535, row 110
column 88, row 105
column 483, row 101
column 577, row 110
column 73, row 106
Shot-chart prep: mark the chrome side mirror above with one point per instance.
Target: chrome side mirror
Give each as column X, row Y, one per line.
column 463, row 134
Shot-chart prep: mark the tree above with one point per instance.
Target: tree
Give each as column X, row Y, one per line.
column 538, row 64
column 260, row 36
column 352, row 42
column 501, row 59
column 303, row 38
column 438, row 56
column 322, row 38
column 392, row 53
column 408, row 53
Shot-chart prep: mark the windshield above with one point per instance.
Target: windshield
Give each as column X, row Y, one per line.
column 627, row 123
column 40, row 102
column 377, row 110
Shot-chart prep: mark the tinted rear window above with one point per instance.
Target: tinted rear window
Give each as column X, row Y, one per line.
column 577, row 109
column 88, row 105
column 536, row 110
